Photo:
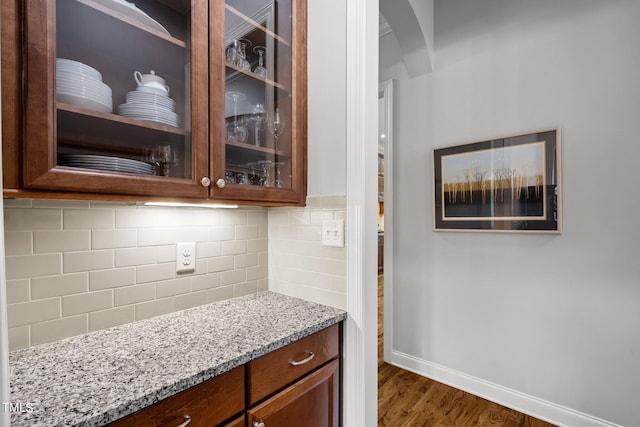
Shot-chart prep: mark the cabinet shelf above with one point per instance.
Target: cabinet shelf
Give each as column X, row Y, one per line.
column 233, row 71
column 130, row 21
column 104, row 132
column 239, row 146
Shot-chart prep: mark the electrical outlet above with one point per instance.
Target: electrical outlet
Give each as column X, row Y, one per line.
column 185, row 257
column 333, row 232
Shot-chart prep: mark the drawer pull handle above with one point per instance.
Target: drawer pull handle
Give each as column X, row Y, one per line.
column 303, row 361
column 258, row 424
column 187, row 420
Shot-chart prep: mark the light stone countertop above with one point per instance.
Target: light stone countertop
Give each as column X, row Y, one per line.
column 96, row 378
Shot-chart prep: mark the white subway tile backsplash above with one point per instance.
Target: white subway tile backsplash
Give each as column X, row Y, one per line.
column 26, row 313
column 112, row 317
column 234, row 247
column 18, row 243
column 232, row 277
column 134, row 294
column 298, row 264
column 154, row 308
column 58, row 329
column 206, row 281
column 155, row 272
column 219, row 264
column 87, row 261
column 78, row 266
column 246, row 260
column 18, row 291
column 208, row 250
column 26, row 266
column 88, row 219
column 107, row 279
column 22, row 219
column 246, row 232
column 54, row 286
column 87, row 302
column 169, row 288
column 61, row 241
column 182, row 302
column 112, row 239
column 19, row 337
column 135, row 256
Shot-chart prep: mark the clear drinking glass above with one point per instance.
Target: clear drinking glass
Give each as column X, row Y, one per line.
column 260, row 69
column 257, row 119
column 236, row 130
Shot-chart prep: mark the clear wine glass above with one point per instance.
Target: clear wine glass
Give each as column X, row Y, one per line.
column 166, row 158
column 236, row 130
column 242, row 59
column 260, row 69
column 256, row 118
column 275, row 122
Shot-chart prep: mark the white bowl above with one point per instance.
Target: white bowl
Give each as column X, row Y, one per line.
column 149, row 89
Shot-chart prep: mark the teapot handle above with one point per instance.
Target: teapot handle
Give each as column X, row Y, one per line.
column 138, row 76
column 167, row 86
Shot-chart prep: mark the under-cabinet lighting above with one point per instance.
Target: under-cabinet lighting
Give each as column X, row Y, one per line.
column 191, row 205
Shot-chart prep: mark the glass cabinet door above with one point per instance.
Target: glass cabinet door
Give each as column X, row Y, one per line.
column 117, row 88
column 260, row 110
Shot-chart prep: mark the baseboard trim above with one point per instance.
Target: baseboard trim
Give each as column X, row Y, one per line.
column 527, row 404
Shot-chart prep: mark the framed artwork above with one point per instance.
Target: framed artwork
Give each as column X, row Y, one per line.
column 502, row 184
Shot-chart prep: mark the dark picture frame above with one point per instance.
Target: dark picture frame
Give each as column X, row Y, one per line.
column 507, row 184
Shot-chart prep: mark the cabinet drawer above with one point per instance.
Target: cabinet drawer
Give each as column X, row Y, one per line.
column 275, row 370
column 208, row 404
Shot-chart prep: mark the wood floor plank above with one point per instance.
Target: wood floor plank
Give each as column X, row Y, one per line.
column 407, row 399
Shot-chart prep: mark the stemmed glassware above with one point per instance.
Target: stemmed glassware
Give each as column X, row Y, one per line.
column 275, row 122
column 236, row 130
column 166, row 158
column 256, row 118
column 260, row 69
column 242, row 60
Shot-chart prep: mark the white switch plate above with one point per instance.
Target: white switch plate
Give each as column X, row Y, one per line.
column 333, row 232
column 185, row 257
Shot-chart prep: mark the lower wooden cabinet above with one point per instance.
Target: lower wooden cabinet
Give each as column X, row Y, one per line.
column 313, row 401
column 208, row 404
column 296, row 385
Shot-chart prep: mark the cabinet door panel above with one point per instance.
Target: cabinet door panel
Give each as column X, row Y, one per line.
column 90, row 126
column 311, row 402
column 258, row 94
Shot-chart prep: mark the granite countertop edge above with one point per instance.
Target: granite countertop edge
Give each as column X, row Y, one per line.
column 49, row 371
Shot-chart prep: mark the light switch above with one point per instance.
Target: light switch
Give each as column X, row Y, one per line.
column 186, row 257
column 333, row 232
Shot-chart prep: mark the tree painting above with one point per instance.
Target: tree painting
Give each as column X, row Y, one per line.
column 503, row 182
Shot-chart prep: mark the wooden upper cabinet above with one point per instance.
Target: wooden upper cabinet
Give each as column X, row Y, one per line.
column 88, row 125
column 107, row 99
column 259, row 111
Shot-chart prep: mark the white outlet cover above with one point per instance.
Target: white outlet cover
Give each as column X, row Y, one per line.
column 185, row 257
column 333, row 232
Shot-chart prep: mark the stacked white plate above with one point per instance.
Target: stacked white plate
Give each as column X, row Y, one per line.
column 149, row 103
column 107, row 163
column 81, row 85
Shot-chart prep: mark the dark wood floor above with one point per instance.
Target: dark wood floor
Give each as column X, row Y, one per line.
column 407, row 399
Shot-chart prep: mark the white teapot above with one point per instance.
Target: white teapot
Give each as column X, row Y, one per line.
column 151, row 81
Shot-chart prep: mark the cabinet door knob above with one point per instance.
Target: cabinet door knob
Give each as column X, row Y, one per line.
column 187, row 420
column 303, row 361
column 205, row 182
column 258, row 424
column 221, row 183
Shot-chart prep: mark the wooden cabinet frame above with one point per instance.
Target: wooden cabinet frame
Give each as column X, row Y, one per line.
column 30, row 116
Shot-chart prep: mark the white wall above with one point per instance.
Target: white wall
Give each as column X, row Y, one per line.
column 327, row 97
column 552, row 316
